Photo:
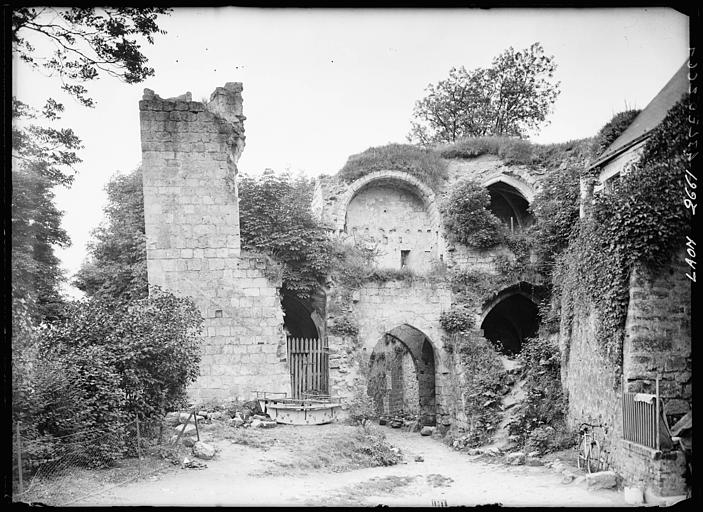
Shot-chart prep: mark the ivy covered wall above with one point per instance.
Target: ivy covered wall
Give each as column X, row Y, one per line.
column 622, row 297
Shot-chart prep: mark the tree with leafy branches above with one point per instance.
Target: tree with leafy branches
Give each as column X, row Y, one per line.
column 276, row 219
column 511, row 97
column 84, row 45
column 116, row 266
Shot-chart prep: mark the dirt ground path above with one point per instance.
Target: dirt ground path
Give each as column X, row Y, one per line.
column 238, row 476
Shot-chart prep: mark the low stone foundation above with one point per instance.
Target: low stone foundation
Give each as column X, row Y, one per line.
column 643, row 467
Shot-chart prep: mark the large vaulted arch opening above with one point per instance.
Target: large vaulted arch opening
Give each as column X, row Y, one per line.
column 402, row 375
column 509, row 319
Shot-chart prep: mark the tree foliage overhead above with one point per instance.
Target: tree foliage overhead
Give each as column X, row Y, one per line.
column 511, row 97
column 117, row 264
column 275, row 218
column 75, row 46
column 87, row 42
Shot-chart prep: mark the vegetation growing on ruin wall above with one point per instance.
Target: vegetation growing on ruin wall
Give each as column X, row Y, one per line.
column 467, row 219
column 421, row 163
column 643, row 220
column 483, row 378
column 613, row 129
column 522, row 152
column 556, row 210
column 540, row 420
column 276, row 219
column 456, row 319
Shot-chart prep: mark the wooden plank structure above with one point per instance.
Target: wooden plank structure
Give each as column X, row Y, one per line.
column 309, row 366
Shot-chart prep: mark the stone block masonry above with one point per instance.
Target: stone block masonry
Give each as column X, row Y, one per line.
column 379, row 308
column 189, row 155
column 658, row 335
column 657, row 342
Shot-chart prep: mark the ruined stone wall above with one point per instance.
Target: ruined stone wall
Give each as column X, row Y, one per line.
column 485, row 168
column 657, row 340
column 456, row 382
column 189, row 155
column 370, row 204
column 411, row 391
column 392, row 220
column 642, row 467
column 388, row 206
column 591, row 381
column 382, row 306
column 377, row 309
column 658, row 335
column 461, row 257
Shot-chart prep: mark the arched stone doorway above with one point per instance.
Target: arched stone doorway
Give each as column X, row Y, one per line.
column 511, row 317
column 402, row 374
column 303, row 318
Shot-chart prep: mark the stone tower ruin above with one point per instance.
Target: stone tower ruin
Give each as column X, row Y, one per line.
column 189, row 161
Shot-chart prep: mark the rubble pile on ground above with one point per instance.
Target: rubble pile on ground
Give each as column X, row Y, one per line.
column 409, row 422
column 182, row 424
column 248, row 415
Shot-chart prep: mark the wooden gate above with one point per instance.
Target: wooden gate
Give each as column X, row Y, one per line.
column 309, row 367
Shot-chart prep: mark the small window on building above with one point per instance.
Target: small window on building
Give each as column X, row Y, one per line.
column 611, row 183
column 404, row 255
column 218, row 313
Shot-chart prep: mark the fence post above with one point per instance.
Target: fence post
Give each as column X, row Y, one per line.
column 139, row 448
column 19, row 457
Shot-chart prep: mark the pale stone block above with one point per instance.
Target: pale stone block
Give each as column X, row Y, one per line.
column 223, row 331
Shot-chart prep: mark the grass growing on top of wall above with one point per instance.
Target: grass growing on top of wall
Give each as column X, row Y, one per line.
column 422, row 163
column 429, row 165
column 521, row 152
column 510, row 149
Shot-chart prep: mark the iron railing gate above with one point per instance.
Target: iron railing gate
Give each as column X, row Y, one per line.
column 639, row 420
column 309, row 367
column 643, row 419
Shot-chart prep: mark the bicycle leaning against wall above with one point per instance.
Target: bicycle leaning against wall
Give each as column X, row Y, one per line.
column 591, row 455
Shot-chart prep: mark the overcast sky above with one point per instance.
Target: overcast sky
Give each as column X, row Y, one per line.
column 320, row 85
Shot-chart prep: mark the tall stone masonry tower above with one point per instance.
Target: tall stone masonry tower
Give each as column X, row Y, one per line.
column 189, row 155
